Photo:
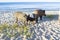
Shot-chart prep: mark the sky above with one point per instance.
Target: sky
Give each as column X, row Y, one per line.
column 41, row 5
column 29, row 0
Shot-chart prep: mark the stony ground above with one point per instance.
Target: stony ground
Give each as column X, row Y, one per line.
column 44, row 30
column 48, row 30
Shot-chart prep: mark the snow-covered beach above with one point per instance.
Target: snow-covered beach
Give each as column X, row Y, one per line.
column 45, row 29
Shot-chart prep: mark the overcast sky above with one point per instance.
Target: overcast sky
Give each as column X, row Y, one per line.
column 29, row 0
column 42, row 5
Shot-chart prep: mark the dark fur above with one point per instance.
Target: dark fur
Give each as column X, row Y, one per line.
column 40, row 13
column 30, row 18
